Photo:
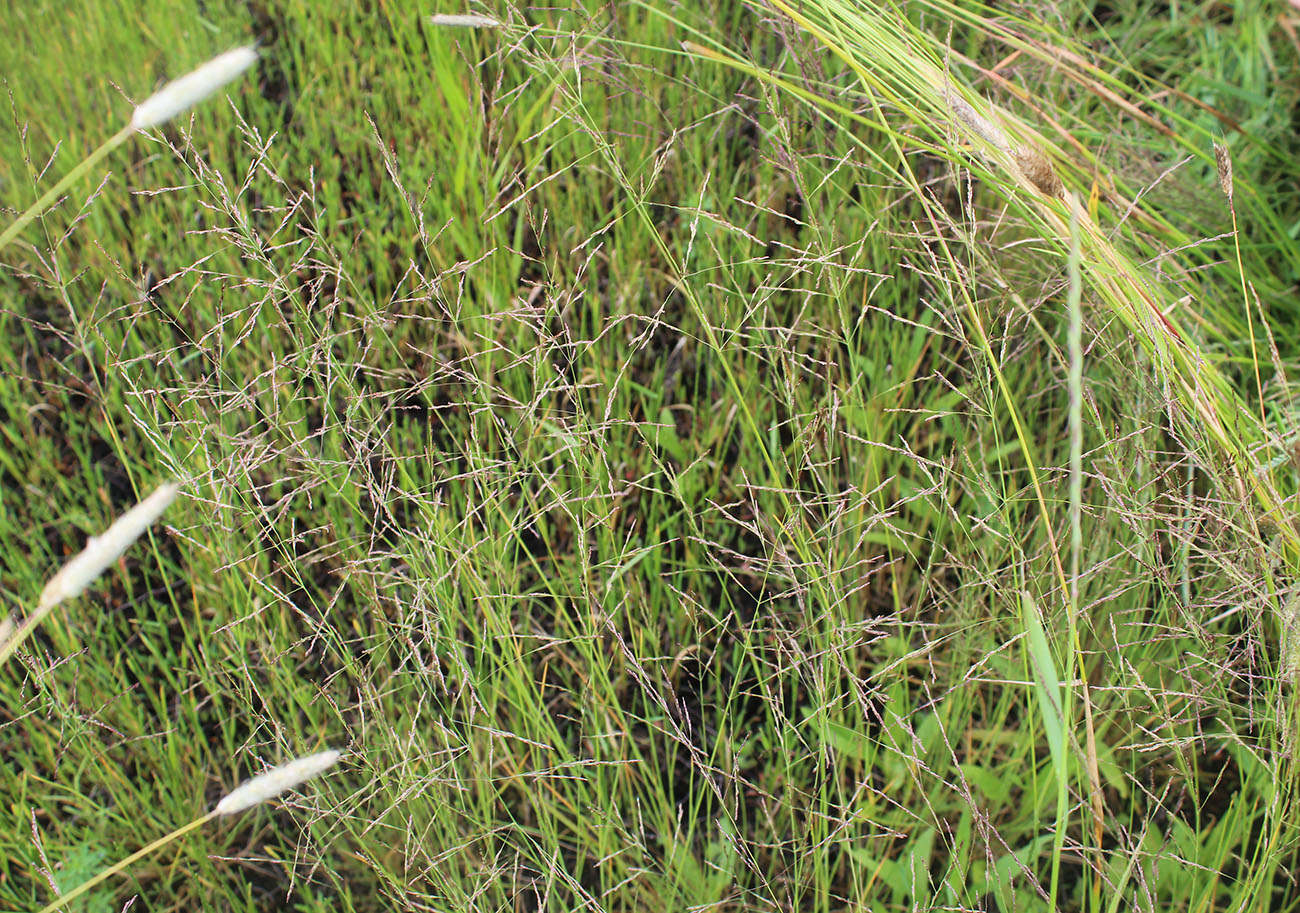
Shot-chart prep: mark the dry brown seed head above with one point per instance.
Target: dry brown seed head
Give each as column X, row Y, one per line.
column 1223, row 161
column 1038, row 171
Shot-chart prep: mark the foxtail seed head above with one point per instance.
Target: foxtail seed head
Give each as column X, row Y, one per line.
column 276, row 781
column 181, row 94
column 982, row 126
column 464, row 21
column 102, row 551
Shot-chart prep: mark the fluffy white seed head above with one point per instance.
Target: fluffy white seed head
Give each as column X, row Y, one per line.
column 464, row 21
column 102, row 551
column 277, row 780
column 181, row 94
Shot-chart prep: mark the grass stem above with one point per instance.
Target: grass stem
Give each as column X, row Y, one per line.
column 139, row 854
column 51, row 196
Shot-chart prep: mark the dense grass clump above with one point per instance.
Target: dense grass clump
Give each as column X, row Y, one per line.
column 742, row 456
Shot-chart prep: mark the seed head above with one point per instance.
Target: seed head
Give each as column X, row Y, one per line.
column 982, row 127
column 1223, row 162
column 465, row 21
column 184, row 93
column 277, row 780
column 102, row 551
column 1038, row 171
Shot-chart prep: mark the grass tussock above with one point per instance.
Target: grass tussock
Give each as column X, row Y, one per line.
column 754, row 456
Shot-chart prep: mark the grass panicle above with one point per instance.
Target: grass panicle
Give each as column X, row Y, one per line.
column 99, row 554
column 177, row 96
column 1223, row 166
column 277, row 780
column 195, row 87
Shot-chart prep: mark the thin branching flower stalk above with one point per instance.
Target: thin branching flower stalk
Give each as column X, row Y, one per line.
column 177, row 96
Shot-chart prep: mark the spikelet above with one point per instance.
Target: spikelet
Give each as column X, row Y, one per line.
column 1223, row 163
column 184, row 93
column 102, row 551
column 464, row 21
column 277, row 780
column 1289, row 654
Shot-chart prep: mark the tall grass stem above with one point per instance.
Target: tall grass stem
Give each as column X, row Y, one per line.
column 116, row 867
column 51, row 196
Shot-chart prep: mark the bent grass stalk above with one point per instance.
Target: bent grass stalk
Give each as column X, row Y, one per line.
column 903, row 68
column 174, row 98
column 254, row 792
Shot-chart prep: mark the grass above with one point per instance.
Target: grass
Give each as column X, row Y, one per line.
column 641, row 436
